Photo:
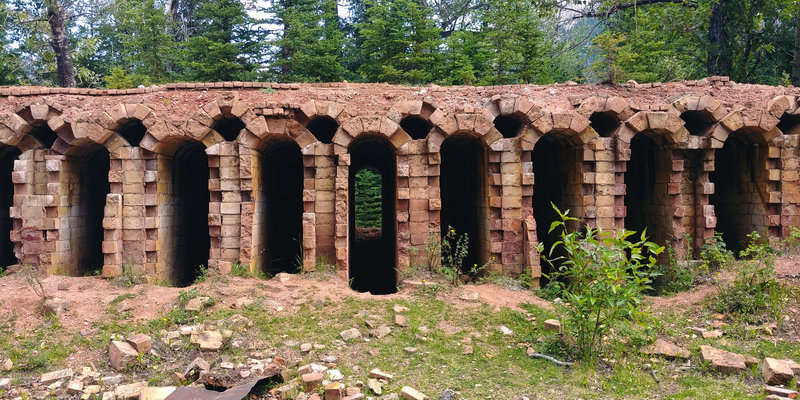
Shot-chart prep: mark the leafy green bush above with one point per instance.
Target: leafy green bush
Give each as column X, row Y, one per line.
column 455, row 248
column 755, row 290
column 679, row 274
column 715, row 254
column 601, row 280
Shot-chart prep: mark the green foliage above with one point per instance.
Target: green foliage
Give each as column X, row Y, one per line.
column 226, row 43
column 680, row 273
column 755, row 289
column 400, row 42
column 455, row 248
column 601, row 280
column 791, row 244
column 715, row 254
column 368, row 199
column 310, row 49
column 129, row 276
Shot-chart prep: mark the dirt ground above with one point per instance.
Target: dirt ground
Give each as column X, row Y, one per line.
column 90, row 297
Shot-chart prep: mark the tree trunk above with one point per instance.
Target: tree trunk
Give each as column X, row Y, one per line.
column 719, row 57
column 60, row 44
column 796, row 60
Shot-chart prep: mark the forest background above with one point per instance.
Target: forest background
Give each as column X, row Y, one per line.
column 128, row 43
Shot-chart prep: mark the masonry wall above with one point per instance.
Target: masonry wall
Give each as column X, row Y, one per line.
column 718, row 161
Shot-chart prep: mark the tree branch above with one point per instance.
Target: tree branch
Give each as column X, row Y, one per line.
column 604, row 14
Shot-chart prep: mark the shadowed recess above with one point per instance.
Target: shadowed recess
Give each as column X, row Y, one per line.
column 373, row 250
column 647, row 180
column 133, row 132
column 323, row 128
column 604, row 123
column 281, row 207
column 554, row 184
column 416, row 126
column 229, row 128
column 44, row 135
column 698, row 123
column 7, row 157
column 789, row 123
column 89, row 185
column 508, row 125
column 190, row 199
column 463, row 191
column 739, row 177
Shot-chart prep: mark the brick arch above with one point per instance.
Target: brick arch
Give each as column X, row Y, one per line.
column 702, row 107
column 227, row 105
column 612, row 109
column 786, row 109
column 357, row 127
column 667, row 126
column 19, row 124
column 478, row 125
column 572, row 127
column 121, row 114
column 759, row 125
column 426, row 109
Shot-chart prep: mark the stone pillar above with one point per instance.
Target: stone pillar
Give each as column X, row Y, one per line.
column 225, row 212
column 790, row 184
column 342, row 218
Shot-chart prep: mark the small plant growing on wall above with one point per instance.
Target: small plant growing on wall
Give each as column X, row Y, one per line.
column 601, row 278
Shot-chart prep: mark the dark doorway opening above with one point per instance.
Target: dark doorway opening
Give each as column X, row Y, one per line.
column 88, row 175
column 555, row 183
column 7, row 157
column 229, row 128
column 416, row 126
column 739, row 179
column 463, row 191
column 604, row 123
column 789, row 124
column 133, row 132
column 698, row 123
column 281, row 207
column 508, row 125
column 44, row 135
column 191, row 197
column 373, row 249
column 647, row 178
column 323, row 128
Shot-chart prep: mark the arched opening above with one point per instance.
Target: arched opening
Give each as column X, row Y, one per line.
column 229, row 128
column 44, row 135
column 133, row 132
column 789, row 124
column 739, row 177
column 557, row 181
column 373, row 225
column 85, row 177
column 604, row 123
column 7, row 157
column 416, row 126
column 508, row 125
column 698, row 123
column 190, row 199
column 280, row 208
column 647, row 179
column 463, row 190
column 323, row 128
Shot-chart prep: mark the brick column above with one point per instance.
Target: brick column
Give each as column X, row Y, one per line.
column 225, row 216
column 342, row 221
column 790, row 184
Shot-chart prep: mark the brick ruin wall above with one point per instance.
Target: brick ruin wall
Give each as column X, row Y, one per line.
column 166, row 178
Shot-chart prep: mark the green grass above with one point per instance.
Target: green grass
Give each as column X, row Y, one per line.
column 498, row 367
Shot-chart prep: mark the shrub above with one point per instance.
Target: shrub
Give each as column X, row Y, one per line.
column 680, row 273
column 601, row 279
column 715, row 254
column 455, row 248
column 755, row 290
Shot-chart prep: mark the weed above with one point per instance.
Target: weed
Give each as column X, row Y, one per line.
column 755, row 290
column 240, row 270
column 679, row 274
column 433, row 251
column 269, row 90
column 791, row 244
column 715, row 254
column 202, row 274
column 601, row 280
column 455, row 248
column 129, row 276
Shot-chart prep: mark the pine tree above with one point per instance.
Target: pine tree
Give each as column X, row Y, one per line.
column 146, row 46
column 310, row 46
column 401, row 43
column 225, row 47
